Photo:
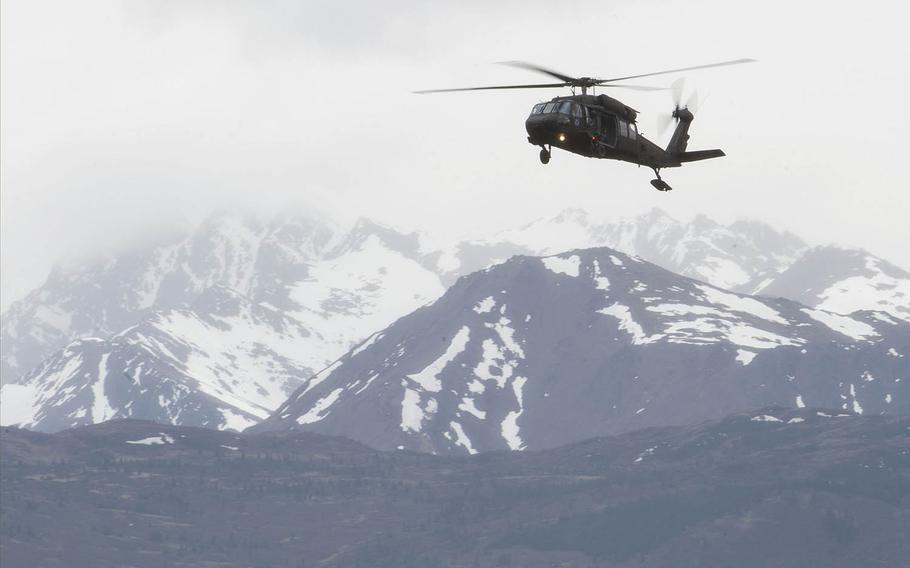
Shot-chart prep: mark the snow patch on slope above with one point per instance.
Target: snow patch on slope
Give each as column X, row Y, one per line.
column 158, row 440
column 485, row 306
column 741, row 304
column 860, row 331
column 412, row 413
column 744, row 357
column 511, row 432
column 468, row 405
column 101, row 407
column 629, row 325
column 428, row 378
column 569, row 266
column 461, row 438
column 321, row 408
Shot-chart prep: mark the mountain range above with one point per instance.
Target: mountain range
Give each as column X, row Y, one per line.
column 214, row 330
column 538, row 352
column 217, row 328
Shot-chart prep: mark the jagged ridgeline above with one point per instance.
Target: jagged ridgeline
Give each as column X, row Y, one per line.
column 539, row 352
column 217, row 328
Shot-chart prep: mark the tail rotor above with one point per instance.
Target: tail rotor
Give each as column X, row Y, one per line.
column 691, row 104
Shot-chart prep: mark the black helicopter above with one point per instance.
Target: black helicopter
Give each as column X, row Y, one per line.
column 599, row 126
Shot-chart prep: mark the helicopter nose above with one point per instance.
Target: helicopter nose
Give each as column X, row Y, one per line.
column 541, row 126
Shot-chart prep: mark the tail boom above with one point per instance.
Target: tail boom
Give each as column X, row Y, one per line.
column 699, row 155
column 677, row 146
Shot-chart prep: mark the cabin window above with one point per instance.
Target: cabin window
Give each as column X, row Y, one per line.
column 623, row 128
column 565, row 107
column 550, row 107
column 577, row 111
column 538, row 108
column 633, row 131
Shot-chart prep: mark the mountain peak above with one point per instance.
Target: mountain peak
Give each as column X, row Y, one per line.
column 844, row 280
column 541, row 351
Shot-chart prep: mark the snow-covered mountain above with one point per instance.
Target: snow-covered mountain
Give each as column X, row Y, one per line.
column 248, row 309
column 275, row 262
column 539, row 352
column 226, row 363
column 844, row 281
column 102, row 298
column 740, row 256
column 215, row 330
column 285, row 264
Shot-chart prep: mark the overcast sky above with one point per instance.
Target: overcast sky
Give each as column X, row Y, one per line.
column 121, row 119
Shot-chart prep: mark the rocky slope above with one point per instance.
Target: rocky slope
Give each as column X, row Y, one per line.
column 539, row 352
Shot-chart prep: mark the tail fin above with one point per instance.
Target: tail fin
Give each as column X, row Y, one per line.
column 677, row 145
column 680, row 137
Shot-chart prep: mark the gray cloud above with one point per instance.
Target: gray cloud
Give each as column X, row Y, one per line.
column 123, row 118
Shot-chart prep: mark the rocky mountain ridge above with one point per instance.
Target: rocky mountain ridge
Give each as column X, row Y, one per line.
column 226, row 322
column 539, row 352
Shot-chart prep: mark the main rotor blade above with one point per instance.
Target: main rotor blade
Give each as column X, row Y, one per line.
column 634, row 87
column 540, row 86
column 720, row 64
column 539, row 69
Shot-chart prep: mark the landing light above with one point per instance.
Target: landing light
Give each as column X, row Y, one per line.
column 562, row 137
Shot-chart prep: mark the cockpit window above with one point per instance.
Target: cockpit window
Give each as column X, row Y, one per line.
column 550, row 107
column 565, row 107
column 577, row 111
column 538, row 108
column 623, row 128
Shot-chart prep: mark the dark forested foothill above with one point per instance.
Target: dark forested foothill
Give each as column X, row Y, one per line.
column 771, row 488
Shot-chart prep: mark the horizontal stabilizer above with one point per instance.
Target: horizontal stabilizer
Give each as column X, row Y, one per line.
column 699, row 155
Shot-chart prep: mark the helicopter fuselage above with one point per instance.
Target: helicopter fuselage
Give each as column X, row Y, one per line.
column 596, row 127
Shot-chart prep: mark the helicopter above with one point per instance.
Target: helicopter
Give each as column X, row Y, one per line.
column 599, row 126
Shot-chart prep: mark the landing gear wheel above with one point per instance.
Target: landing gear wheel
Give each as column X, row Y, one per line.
column 544, row 156
column 659, row 184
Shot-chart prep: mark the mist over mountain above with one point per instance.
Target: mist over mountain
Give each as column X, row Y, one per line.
column 216, row 328
column 738, row 257
column 844, row 281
